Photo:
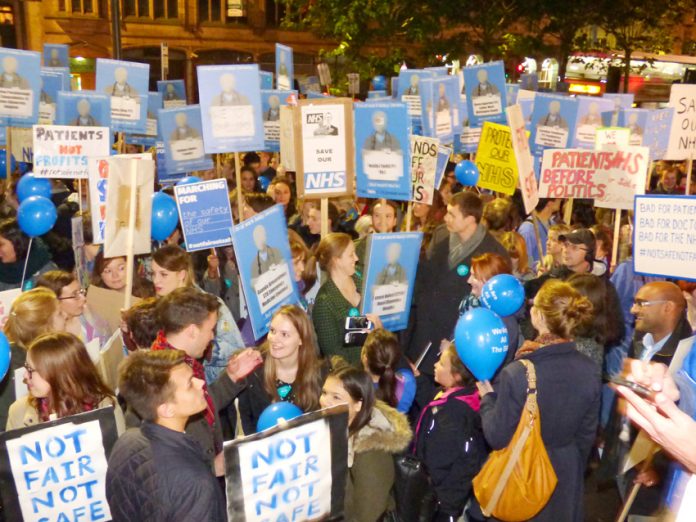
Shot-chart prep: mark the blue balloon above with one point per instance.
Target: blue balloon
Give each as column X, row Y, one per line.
column 164, row 216
column 467, row 173
column 264, row 182
column 481, row 340
column 36, row 215
column 3, row 164
column 188, row 180
column 5, row 355
column 29, row 185
column 503, row 294
column 23, row 167
column 276, row 412
column 379, row 83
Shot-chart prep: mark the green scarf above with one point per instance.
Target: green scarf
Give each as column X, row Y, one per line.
column 11, row 273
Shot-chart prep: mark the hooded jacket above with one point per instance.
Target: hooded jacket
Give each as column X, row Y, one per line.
column 371, row 463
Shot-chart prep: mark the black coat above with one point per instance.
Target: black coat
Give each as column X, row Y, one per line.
column 449, row 441
column 438, row 292
column 568, row 394
column 157, row 474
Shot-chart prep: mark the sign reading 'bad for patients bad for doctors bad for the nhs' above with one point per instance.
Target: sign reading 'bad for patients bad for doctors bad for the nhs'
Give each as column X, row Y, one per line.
column 324, row 155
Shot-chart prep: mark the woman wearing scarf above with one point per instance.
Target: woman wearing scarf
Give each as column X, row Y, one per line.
column 14, row 246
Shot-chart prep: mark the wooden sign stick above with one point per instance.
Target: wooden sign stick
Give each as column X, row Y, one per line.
column 324, row 216
column 238, row 180
column 130, row 258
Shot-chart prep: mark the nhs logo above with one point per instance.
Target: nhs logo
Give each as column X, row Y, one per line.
column 323, row 182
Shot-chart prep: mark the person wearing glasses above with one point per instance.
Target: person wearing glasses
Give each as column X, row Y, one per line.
column 80, row 321
column 62, row 381
column 659, row 308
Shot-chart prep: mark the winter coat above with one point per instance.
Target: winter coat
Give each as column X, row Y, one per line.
column 158, row 475
column 438, row 291
column 449, row 441
column 568, row 394
column 371, row 463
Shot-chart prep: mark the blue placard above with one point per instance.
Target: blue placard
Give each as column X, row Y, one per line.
column 512, row 90
column 486, row 97
column 529, row 82
column 230, row 107
column 205, row 213
column 285, row 67
column 271, row 102
column 441, row 100
column 56, row 55
column 309, row 84
column 51, row 85
column 377, row 95
column 164, row 177
column 126, row 84
column 392, row 261
column 553, row 122
column 440, row 70
column 621, row 100
column 443, row 156
column 636, row 121
column 382, row 150
column 149, row 139
column 20, row 86
column 657, row 131
column 266, row 80
column 409, row 91
column 83, row 109
column 265, row 266
column 182, row 133
column 394, row 84
column 590, row 111
column 173, row 93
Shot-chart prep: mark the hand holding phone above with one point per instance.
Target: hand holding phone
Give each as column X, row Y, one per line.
column 638, row 389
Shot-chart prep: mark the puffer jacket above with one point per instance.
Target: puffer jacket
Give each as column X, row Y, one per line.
column 371, row 463
column 160, row 475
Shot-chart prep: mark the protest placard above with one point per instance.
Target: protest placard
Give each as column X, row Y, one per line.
column 392, row 261
column 56, row 471
column 495, row 159
column 664, row 236
column 553, row 122
column 83, row 109
column 182, row 134
column 62, row 151
column 423, row 168
column 131, row 181
column 205, row 214
column 56, row 55
column 271, row 103
column 266, row 80
column 7, row 297
column 443, row 155
column 230, row 103
column 98, row 181
column 22, row 144
column 657, row 129
column 149, row 138
column 285, row 67
column 20, row 85
column 294, row 471
column 484, row 86
column 409, row 90
column 523, row 157
column 383, row 150
column 611, row 177
column 617, row 137
column 440, row 103
column 51, row 85
column 126, row 84
column 682, row 136
column 265, row 268
column 589, row 119
column 173, row 93
column 324, row 154
column 287, row 137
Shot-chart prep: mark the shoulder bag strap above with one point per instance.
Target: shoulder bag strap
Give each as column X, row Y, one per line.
column 530, row 408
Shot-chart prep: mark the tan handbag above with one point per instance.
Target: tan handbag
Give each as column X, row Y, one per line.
column 516, row 482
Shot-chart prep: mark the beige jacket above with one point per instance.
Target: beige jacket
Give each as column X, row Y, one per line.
column 22, row 414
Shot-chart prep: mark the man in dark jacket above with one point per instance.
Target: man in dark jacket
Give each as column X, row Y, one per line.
column 158, row 471
column 442, row 280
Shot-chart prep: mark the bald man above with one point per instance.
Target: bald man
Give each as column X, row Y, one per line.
column 660, row 311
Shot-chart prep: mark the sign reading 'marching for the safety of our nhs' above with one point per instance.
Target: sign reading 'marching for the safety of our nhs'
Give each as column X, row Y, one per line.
column 205, row 214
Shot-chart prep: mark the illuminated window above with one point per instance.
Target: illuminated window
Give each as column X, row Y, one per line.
column 158, row 9
column 6, row 15
column 221, row 11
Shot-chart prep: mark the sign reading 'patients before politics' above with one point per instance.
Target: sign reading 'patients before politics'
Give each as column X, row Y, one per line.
column 424, row 153
column 682, row 137
column 383, row 150
column 294, row 471
column 523, row 157
column 205, row 214
column 56, row 471
column 62, row 151
column 265, row 266
column 230, row 101
column 495, row 159
column 664, row 236
column 324, row 153
column 611, row 177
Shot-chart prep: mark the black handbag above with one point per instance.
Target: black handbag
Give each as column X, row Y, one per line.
column 414, row 494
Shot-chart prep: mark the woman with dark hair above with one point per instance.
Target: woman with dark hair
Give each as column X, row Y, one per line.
column 291, row 370
column 426, row 218
column 516, row 248
column 604, row 242
column 62, row 381
column 376, row 432
column 380, row 356
column 449, row 439
column 14, row 246
column 305, row 271
column 255, row 203
column 337, row 297
column 80, row 321
column 250, row 182
column 110, row 273
column 280, row 190
column 172, row 269
column 567, row 391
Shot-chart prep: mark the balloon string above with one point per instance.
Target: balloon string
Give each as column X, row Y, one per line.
column 26, row 262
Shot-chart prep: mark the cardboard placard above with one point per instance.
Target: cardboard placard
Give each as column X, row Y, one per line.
column 523, row 157
column 424, row 153
column 62, row 151
column 107, row 304
column 495, row 159
column 682, row 136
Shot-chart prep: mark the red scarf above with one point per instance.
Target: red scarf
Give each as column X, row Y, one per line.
column 161, row 343
column 530, row 346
